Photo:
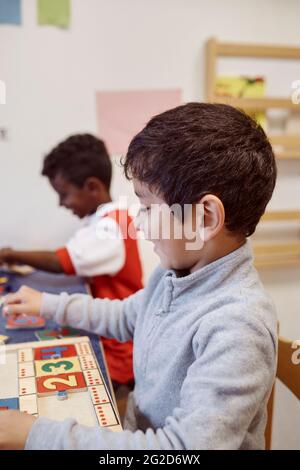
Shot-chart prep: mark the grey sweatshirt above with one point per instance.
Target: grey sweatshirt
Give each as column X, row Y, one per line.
column 205, row 348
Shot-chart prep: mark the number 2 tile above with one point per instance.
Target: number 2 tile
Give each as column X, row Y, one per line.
column 50, row 384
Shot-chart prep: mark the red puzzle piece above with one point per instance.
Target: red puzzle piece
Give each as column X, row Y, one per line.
column 50, row 384
column 55, row 352
column 25, row 322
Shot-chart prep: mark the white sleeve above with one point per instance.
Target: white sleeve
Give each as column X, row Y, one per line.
column 97, row 249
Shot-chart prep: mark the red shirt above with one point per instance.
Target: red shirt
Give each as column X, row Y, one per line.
column 113, row 270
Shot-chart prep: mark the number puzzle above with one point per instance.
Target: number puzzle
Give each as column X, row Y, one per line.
column 24, row 322
column 41, row 378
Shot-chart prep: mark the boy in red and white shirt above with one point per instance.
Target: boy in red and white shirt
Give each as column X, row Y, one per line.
column 79, row 169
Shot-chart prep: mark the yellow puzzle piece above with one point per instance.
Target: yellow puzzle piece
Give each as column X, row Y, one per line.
column 62, row 365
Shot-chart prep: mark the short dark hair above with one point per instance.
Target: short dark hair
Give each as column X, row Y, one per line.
column 202, row 148
column 78, row 158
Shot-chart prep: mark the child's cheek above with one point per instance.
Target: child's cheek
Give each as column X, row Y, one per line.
column 152, row 228
column 141, row 223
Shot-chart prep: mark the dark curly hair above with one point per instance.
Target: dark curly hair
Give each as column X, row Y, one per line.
column 201, row 148
column 78, row 158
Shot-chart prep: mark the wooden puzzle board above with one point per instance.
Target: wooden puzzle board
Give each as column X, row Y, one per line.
column 33, row 374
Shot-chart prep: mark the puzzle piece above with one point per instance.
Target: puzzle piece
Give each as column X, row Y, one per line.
column 4, row 285
column 47, row 375
column 62, row 395
column 88, row 362
column 3, row 339
column 99, row 395
column 45, row 335
column 55, row 352
column 25, row 322
column 92, row 377
column 67, row 332
column 28, row 404
column 22, row 269
column 83, row 348
column 57, row 366
column 26, row 369
column 9, row 403
column 27, row 386
column 106, row 415
column 25, row 355
column 50, row 384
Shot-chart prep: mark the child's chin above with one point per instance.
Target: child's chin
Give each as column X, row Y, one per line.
column 165, row 263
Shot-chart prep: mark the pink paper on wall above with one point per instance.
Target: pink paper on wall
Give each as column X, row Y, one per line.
column 122, row 114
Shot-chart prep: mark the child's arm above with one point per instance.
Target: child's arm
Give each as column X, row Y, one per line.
column 14, row 429
column 45, row 260
column 224, row 389
column 109, row 318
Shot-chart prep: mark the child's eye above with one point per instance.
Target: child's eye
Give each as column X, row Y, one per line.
column 145, row 209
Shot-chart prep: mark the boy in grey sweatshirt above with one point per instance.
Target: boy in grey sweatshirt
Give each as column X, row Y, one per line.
column 204, row 329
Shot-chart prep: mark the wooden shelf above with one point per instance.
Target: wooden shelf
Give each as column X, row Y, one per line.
column 228, row 49
column 289, row 141
column 291, row 154
column 277, row 263
column 289, row 144
column 267, row 255
column 256, row 103
column 276, row 216
column 279, row 249
column 276, row 255
column 211, row 68
column 215, row 49
column 286, row 146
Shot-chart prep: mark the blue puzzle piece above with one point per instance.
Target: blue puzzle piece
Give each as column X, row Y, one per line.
column 9, row 403
column 62, row 395
column 54, row 352
column 24, row 320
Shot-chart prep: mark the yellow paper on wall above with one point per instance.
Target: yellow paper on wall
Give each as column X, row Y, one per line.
column 54, row 12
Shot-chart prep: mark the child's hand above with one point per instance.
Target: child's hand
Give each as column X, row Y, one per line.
column 14, row 429
column 25, row 301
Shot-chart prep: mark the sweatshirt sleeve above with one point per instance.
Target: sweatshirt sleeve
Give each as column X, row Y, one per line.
column 109, row 318
column 233, row 373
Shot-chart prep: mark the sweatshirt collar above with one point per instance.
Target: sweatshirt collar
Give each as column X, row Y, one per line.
column 214, row 273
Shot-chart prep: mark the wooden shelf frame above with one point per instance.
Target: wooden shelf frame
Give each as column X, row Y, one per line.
column 231, row 49
column 260, row 104
column 269, row 255
column 214, row 49
column 281, row 216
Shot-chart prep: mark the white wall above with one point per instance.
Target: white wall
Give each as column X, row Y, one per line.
column 52, row 76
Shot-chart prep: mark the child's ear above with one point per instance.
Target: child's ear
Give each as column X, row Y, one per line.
column 93, row 184
column 214, row 216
